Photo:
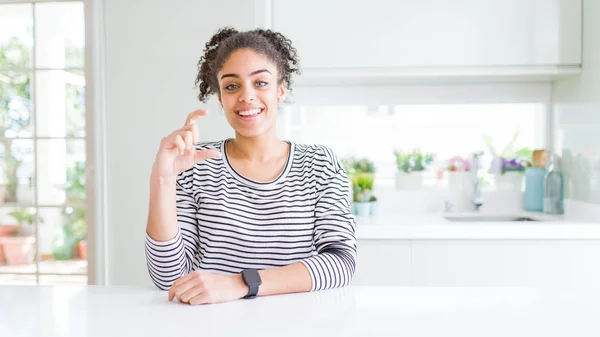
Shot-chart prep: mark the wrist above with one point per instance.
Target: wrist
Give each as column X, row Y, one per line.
column 241, row 289
column 162, row 179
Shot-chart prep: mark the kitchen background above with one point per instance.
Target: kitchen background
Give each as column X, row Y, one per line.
column 88, row 89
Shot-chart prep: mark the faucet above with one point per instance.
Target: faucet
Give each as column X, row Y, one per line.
column 476, row 198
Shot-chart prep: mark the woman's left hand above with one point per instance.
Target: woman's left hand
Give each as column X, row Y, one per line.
column 200, row 287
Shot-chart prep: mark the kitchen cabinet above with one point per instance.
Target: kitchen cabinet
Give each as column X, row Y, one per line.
column 383, row 35
column 478, row 262
column 383, row 263
column 505, row 262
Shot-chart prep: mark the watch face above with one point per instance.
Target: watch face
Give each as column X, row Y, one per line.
column 251, row 276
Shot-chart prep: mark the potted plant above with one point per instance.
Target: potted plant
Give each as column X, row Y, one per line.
column 74, row 217
column 458, row 173
column 508, row 166
column 362, row 186
column 511, row 174
column 19, row 248
column 410, row 168
column 373, row 205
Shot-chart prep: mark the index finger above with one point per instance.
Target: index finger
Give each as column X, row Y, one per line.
column 191, row 118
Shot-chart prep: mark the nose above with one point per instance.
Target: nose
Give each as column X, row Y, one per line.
column 248, row 94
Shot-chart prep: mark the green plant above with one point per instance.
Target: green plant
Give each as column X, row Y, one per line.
column 364, row 165
column 75, row 191
column 362, row 186
column 15, row 100
column 353, row 165
column 413, row 161
column 25, row 218
column 508, row 152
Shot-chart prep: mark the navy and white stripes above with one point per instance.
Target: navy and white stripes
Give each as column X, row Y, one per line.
column 229, row 223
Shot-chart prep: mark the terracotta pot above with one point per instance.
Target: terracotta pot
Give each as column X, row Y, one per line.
column 5, row 230
column 82, row 249
column 19, row 249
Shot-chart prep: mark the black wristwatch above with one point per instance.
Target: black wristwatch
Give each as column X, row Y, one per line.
column 252, row 280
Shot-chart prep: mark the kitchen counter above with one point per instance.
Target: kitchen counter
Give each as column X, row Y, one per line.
column 352, row 311
column 436, row 226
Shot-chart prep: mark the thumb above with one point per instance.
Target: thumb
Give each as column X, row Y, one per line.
column 206, row 154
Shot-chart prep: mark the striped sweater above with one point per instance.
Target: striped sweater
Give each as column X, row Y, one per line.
column 228, row 223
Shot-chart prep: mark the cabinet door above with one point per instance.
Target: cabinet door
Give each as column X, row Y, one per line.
column 383, row 263
column 431, row 33
column 505, row 262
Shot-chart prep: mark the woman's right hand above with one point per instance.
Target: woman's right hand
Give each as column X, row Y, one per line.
column 177, row 152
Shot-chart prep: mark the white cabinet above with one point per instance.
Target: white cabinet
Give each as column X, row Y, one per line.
column 478, row 262
column 382, row 263
column 505, row 262
column 431, row 33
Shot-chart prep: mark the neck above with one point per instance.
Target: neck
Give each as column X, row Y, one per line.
column 257, row 149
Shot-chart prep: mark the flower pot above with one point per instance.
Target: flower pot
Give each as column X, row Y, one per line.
column 409, row 181
column 5, row 230
column 459, row 180
column 363, row 208
column 82, row 249
column 373, row 208
column 18, row 250
column 512, row 180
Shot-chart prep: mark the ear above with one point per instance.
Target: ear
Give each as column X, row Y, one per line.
column 281, row 92
column 219, row 97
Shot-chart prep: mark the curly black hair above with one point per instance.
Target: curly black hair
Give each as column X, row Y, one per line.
column 226, row 40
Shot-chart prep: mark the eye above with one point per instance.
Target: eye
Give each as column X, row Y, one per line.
column 261, row 83
column 231, row 87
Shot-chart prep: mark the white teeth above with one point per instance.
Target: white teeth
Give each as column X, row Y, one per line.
column 250, row 112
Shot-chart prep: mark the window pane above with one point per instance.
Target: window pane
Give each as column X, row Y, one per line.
column 61, row 171
column 445, row 130
column 17, row 239
column 15, row 104
column 60, row 35
column 16, row 36
column 62, row 240
column 60, row 103
column 16, row 171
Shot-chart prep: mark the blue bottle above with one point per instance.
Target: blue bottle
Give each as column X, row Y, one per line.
column 533, row 198
column 554, row 188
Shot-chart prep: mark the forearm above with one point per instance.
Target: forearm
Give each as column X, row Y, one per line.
column 293, row 278
column 162, row 213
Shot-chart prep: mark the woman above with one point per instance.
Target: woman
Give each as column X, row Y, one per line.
column 254, row 215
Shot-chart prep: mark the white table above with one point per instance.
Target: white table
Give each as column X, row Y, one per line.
column 352, row 311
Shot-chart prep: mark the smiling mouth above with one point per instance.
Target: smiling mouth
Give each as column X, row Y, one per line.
column 249, row 113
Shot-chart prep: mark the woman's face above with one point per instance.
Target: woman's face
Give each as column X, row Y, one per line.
column 249, row 92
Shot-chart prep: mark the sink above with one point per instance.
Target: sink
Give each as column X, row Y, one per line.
column 487, row 218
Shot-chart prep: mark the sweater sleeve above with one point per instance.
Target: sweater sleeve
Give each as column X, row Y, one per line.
column 334, row 235
column 169, row 260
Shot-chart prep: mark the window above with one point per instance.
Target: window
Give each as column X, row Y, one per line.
column 42, row 143
column 447, row 120
column 445, row 130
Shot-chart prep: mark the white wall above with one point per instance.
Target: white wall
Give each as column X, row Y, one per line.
column 152, row 49
column 585, row 88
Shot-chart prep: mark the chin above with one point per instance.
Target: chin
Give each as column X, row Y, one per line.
column 250, row 132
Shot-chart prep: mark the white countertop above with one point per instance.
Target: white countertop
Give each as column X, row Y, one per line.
column 436, row 226
column 352, row 311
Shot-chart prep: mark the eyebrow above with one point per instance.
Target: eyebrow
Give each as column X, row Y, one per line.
column 251, row 74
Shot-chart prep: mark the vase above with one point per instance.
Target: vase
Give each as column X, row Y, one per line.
column 409, row 181
column 373, row 208
column 363, row 208
column 512, row 181
column 459, row 180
